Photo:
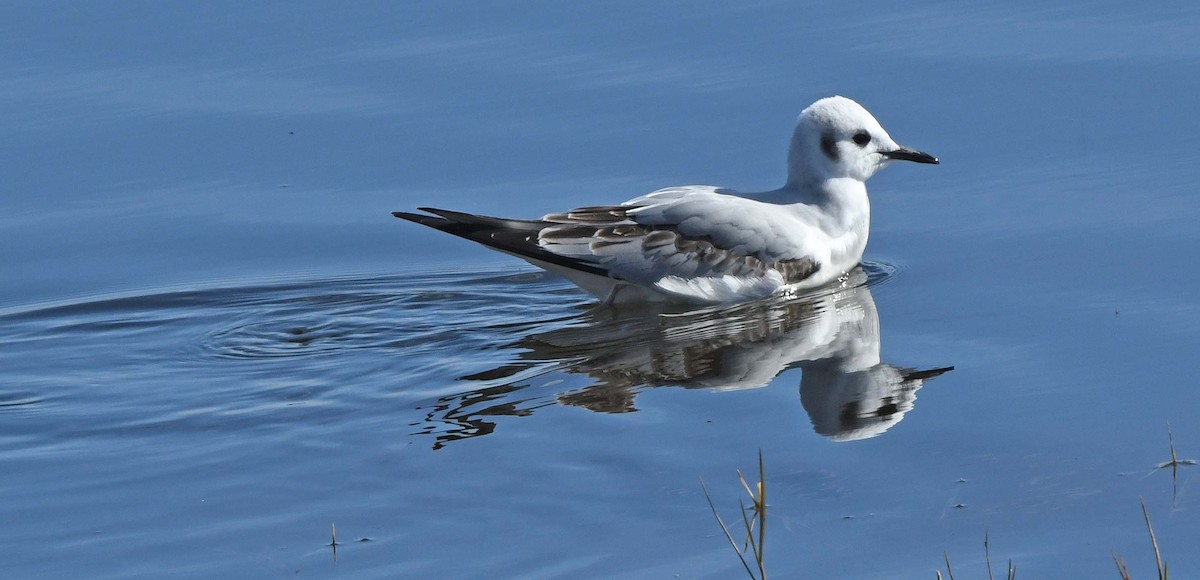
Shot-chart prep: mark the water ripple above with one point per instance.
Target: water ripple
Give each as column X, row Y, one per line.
column 355, row 315
column 419, row 341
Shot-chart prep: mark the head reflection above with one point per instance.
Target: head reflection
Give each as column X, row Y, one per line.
column 833, row 337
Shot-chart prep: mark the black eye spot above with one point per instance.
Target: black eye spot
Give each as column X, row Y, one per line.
column 861, row 138
column 829, row 147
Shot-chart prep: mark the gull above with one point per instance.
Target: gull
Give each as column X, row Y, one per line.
column 710, row 245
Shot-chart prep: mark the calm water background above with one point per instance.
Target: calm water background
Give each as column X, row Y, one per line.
column 215, row 341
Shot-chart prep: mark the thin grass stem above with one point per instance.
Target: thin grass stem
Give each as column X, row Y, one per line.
column 1162, row 569
column 987, row 556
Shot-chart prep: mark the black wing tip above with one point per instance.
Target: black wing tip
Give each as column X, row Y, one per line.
column 463, row 217
column 433, row 221
column 412, row 217
column 517, row 237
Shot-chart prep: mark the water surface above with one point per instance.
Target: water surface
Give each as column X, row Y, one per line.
column 215, row 341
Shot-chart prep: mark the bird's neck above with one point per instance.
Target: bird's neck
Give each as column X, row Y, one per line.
column 846, row 217
column 844, row 200
column 839, row 207
column 841, row 201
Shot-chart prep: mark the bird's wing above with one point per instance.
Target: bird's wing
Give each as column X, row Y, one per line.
column 693, row 242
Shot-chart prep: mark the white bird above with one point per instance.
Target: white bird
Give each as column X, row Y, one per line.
column 703, row 244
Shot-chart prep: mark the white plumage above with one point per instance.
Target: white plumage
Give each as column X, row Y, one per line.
column 711, row 245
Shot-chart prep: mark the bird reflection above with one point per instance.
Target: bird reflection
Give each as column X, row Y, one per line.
column 832, row 336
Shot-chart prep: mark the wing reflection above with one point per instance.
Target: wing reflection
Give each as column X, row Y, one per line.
column 833, row 337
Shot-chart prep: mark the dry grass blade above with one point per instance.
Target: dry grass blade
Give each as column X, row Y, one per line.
column 1158, row 561
column 1162, row 568
column 1174, row 464
column 1175, row 460
column 748, row 543
column 987, row 556
column 725, row 529
column 1120, row 562
column 949, row 570
column 758, row 519
column 746, row 521
column 761, row 510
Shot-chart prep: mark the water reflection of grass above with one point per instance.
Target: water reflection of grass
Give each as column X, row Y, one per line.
column 758, row 520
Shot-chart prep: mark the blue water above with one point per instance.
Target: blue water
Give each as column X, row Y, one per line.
column 215, row 341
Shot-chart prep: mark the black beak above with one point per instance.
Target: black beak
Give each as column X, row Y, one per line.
column 905, row 154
